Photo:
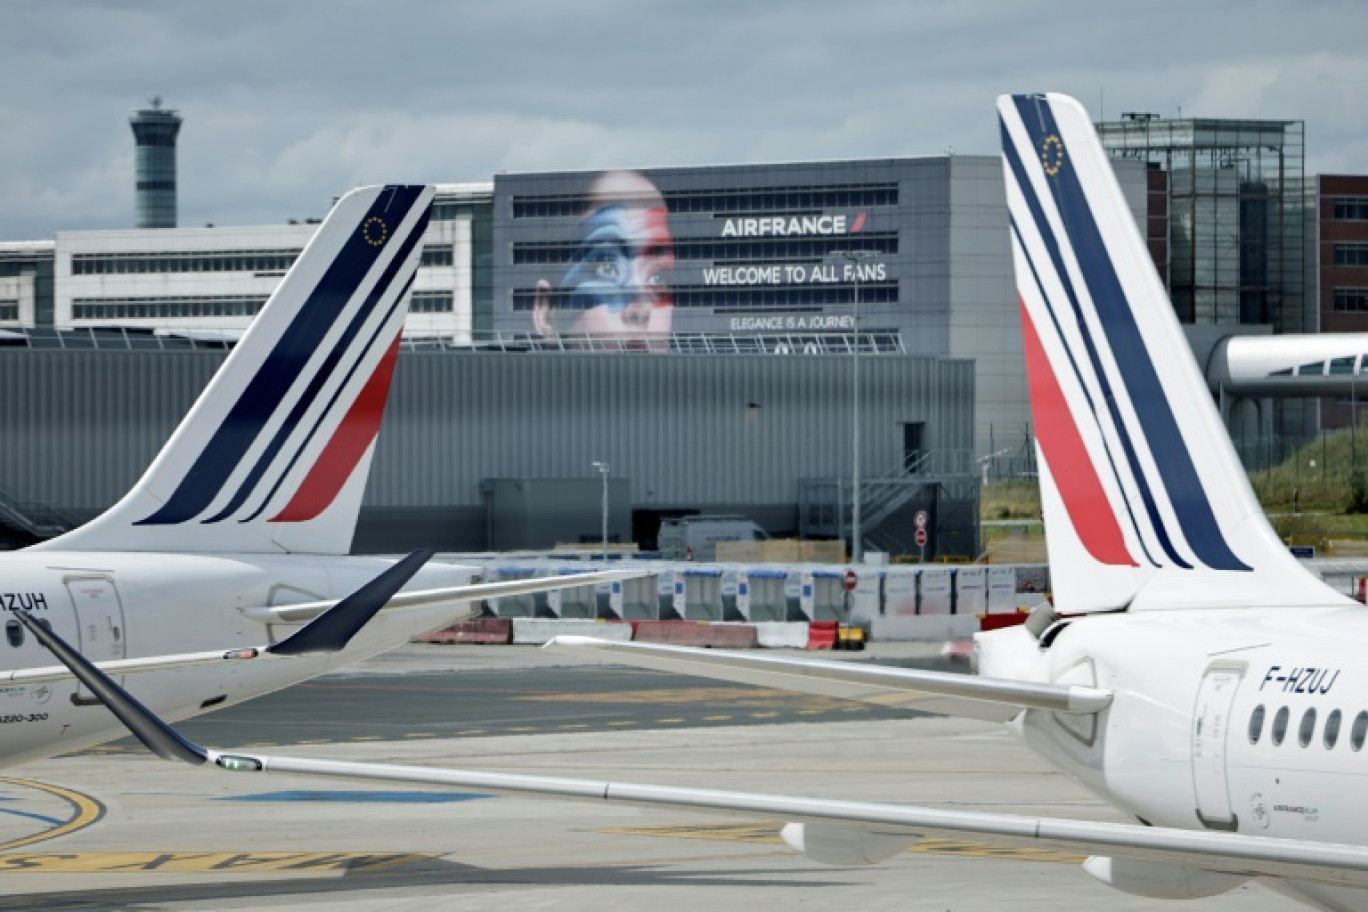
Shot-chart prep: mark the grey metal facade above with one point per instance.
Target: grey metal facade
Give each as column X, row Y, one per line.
column 695, row 432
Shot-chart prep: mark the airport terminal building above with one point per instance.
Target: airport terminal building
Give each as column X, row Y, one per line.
column 728, row 388
column 780, row 283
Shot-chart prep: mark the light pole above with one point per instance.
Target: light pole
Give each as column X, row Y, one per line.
column 855, row 258
column 603, row 471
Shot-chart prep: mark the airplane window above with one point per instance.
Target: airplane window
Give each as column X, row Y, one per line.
column 1359, row 731
column 14, row 632
column 1256, row 721
column 1308, row 727
column 1332, row 727
column 1280, row 725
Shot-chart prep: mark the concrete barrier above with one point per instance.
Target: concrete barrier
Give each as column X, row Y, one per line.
column 692, row 633
column 936, row 627
column 781, row 635
column 493, row 631
column 822, row 634
column 536, row 631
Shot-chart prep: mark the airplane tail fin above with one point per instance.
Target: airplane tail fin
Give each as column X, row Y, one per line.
column 273, row 457
column 1146, row 504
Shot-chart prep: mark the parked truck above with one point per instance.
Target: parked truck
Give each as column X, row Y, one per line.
column 695, row 537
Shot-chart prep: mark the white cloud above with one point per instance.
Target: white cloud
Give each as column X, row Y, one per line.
column 286, row 105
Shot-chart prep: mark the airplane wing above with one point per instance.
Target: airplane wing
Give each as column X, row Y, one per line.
column 307, row 611
column 842, row 832
column 330, row 624
column 970, row 696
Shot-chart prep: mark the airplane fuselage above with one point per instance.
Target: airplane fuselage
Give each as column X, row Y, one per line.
column 1253, row 722
column 117, row 605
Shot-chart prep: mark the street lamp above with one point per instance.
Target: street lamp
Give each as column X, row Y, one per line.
column 855, row 257
column 603, row 471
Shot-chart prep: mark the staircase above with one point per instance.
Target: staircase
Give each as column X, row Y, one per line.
column 37, row 520
column 825, row 505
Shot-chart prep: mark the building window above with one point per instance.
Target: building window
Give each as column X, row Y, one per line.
column 166, row 308
column 9, row 310
column 1351, row 208
column 1351, row 300
column 260, row 261
column 431, row 302
column 810, row 250
column 437, row 255
column 1351, row 253
column 721, row 202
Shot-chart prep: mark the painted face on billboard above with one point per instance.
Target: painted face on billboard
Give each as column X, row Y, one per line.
column 617, row 286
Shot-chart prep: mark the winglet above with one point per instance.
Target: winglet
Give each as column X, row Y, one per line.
column 159, row 737
column 334, row 628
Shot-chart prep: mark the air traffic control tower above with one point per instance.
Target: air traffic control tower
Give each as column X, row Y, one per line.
column 154, row 130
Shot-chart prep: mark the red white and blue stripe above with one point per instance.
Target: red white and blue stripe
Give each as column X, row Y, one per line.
column 347, row 317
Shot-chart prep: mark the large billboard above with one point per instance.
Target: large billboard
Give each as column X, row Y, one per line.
column 639, row 258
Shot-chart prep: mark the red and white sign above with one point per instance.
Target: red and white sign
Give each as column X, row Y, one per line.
column 921, row 519
column 850, row 581
column 921, row 538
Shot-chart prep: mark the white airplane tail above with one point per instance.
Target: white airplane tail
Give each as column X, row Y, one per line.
column 273, row 457
column 1145, row 503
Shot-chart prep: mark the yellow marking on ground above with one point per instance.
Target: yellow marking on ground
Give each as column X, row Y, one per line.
column 769, row 833
column 724, row 832
column 768, row 715
column 716, row 718
column 623, row 722
column 573, row 725
column 741, row 697
column 85, row 811
column 366, row 738
column 202, row 862
column 669, row 721
column 981, row 850
column 431, row 735
column 522, row 728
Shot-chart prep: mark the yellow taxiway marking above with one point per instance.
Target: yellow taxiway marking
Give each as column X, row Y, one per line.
column 743, row 697
column 201, row 862
column 769, row 833
column 85, row 811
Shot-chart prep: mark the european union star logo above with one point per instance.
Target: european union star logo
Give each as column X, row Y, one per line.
column 1052, row 154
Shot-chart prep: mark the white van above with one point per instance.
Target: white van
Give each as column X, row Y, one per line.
column 695, row 537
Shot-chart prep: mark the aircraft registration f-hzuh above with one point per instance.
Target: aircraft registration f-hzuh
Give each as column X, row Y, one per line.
column 239, row 531
column 1190, row 672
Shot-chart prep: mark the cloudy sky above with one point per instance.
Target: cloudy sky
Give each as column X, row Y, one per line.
column 288, row 103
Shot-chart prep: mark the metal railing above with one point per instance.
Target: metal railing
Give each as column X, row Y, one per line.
column 40, row 520
column 825, row 504
column 877, row 342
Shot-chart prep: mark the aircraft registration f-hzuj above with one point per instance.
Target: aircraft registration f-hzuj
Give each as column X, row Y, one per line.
column 238, row 533
column 1190, row 672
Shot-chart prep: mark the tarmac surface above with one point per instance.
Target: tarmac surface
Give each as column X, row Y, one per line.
column 115, row 829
